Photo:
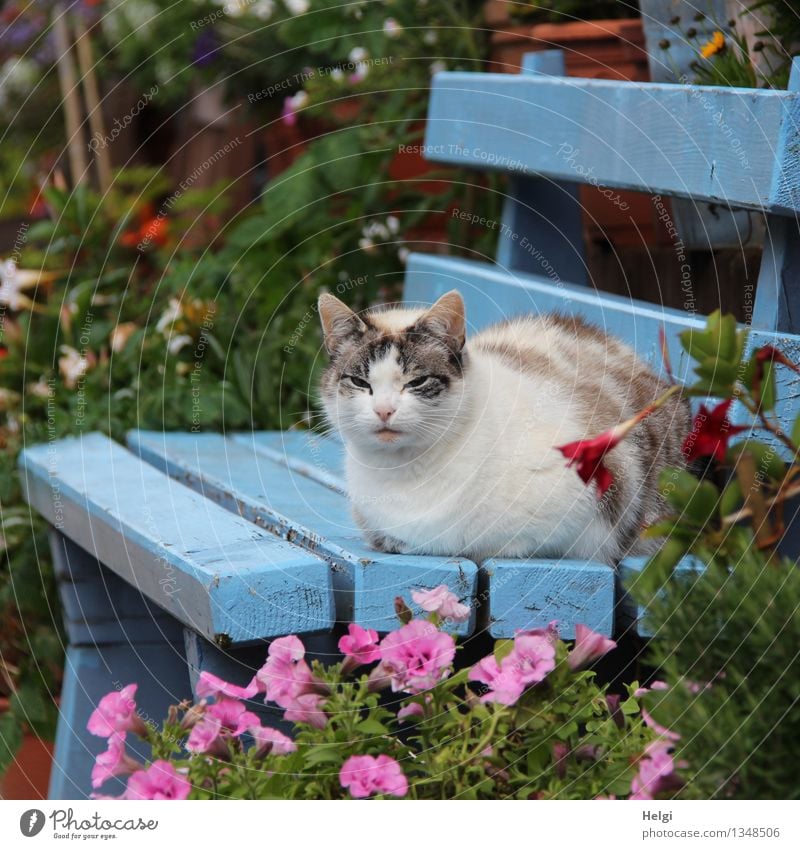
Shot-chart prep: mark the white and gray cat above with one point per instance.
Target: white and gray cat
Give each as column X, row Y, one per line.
column 451, row 443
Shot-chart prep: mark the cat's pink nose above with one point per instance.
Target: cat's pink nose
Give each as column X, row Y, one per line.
column 384, row 413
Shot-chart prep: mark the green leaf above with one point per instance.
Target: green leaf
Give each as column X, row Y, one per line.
column 767, row 395
column 502, row 648
column 728, row 346
column 660, row 567
column 731, row 499
column 702, row 504
column 630, row 707
column 718, row 372
column 10, row 738
column 371, row 726
column 322, row 754
column 698, row 344
column 768, row 463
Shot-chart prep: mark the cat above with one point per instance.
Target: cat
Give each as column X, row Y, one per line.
column 451, row 443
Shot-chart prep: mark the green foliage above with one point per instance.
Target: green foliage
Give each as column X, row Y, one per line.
column 727, row 629
column 562, row 739
column 727, row 643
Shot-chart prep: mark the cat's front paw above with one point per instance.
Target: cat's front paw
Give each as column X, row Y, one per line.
column 384, row 543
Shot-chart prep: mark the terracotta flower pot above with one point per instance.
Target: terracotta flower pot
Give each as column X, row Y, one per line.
column 612, row 49
column 29, row 774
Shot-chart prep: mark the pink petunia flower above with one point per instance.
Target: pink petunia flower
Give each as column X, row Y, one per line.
column 292, row 105
column 533, row 656
column 411, row 709
column 233, row 715
column 366, row 776
column 207, row 738
column 222, row 720
column 116, row 713
column 550, row 633
column 528, row 663
column 655, row 685
column 656, row 772
column 270, row 741
column 415, row 657
column 289, row 682
column 360, row 646
column 589, row 646
column 440, row 600
column 113, row 762
column 210, row 686
column 308, row 708
column 658, row 728
column 505, row 684
column 158, row 781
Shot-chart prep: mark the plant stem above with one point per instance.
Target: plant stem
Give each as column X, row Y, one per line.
column 774, row 429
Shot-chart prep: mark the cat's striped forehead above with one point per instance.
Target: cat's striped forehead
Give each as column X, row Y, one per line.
column 396, row 336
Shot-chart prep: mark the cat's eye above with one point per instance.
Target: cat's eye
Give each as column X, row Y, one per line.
column 418, row 381
column 357, row 381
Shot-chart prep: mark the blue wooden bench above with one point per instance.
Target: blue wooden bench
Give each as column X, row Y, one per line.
column 183, row 552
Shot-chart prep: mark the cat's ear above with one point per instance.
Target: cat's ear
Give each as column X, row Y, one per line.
column 338, row 321
column 446, row 319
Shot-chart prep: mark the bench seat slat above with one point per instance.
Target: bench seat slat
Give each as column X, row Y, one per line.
column 214, row 572
column 526, row 594
column 293, row 505
column 660, row 138
column 306, row 452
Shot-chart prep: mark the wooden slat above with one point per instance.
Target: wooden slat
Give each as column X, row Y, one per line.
column 514, row 594
column 526, row 594
column 98, row 607
column 492, row 294
column 306, row 452
column 296, row 507
column 212, row 571
column 661, row 138
column 542, row 225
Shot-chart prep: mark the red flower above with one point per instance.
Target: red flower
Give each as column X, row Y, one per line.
column 152, row 230
column 710, row 433
column 588, row 454
column 767, row 353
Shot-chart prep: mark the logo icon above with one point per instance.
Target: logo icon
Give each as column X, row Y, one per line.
column 31, row 822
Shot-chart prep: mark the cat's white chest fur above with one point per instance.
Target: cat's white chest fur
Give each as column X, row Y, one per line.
column 494, row 486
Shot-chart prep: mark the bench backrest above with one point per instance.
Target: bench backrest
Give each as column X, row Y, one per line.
column 732, row 146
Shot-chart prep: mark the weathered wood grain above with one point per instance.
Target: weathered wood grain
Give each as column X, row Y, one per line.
column 727, row 145
column 98, row 607
column 212, row 571
column 524, row 594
